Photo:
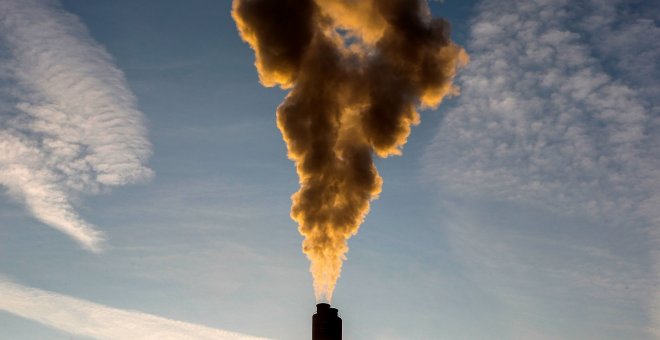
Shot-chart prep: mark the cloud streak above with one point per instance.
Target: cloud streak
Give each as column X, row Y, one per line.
column 84, row 318
column 69, row 125
column 559, row 110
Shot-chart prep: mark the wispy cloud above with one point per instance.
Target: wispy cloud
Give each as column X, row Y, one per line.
column 69, row 125
column 84, row 318
column 559, row 110
column 552, row 276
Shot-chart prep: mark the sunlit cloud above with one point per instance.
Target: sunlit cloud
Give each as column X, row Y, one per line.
column 69, row 125
column 559, row 111
column 84, row 318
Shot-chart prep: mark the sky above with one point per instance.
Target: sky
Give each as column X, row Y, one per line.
column 146, row 189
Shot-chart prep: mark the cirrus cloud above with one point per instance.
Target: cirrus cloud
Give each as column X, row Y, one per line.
column 89, row 319
column 69, row 125
column 560, row 111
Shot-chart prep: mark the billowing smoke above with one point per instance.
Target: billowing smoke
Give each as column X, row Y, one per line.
column 357, row 71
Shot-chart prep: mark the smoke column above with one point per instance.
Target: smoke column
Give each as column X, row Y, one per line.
column 357, row 71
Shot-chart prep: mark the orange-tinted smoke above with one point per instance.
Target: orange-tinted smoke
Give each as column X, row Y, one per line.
column 357, row 70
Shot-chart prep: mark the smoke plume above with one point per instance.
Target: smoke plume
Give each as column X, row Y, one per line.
column 357, row 71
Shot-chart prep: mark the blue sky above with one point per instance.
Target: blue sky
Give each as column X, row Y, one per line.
column 526, row 208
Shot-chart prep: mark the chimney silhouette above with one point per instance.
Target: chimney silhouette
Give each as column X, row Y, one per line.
column 326, row 324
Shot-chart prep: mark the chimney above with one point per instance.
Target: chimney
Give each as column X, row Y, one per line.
column 326, row 324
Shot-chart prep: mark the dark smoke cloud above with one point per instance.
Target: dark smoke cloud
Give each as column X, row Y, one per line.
column 357, row 71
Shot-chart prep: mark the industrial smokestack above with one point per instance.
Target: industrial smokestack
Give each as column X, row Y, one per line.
column 326, row 324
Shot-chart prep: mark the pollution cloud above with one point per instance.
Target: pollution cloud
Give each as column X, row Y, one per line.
column 69, row 125
column 357, row 71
